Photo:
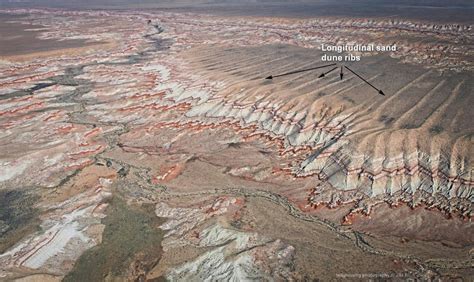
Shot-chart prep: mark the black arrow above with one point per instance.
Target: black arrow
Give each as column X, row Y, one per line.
column 341, row 74
column 298, row 71
column 378, row 90
column 324, row 73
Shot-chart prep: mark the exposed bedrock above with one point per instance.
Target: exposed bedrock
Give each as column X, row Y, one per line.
column 179, row 105
column 442, row 177
column 412, row 145
column 408, row 147
column 233, row 254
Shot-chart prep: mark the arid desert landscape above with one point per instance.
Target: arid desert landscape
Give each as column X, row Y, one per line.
column 149, row 144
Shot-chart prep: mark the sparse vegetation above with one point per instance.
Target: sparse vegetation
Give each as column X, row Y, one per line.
column 235, row 145
column 436, row 129
column 409, row 126
column 18, row 217
column 350, row 100
column 131, row 245
column 386, row 119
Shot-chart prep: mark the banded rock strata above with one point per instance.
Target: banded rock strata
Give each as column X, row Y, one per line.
column 235, row 255
column 343, row 124
column 175, row 78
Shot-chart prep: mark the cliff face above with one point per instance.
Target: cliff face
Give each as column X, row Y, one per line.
column 413, row 145
column 372, row 149
column 171, row 106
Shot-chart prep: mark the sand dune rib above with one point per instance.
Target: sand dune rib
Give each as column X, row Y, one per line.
column 259, row 62
column 419, row 103
column 382, row 106
column 369, row 132
column 315, row 80
column 342, row 90
column 430, row 120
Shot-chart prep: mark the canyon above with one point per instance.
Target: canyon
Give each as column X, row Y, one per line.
column 169, row 114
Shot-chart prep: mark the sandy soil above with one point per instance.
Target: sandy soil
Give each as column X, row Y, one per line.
column 171, row 129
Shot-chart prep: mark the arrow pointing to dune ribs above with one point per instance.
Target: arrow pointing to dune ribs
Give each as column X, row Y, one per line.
column 378, row 90
column 324, row 73
column 298, row 71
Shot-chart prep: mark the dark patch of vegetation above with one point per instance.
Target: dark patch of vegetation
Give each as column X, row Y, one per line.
column 122, row 172
column 322, row 94
column 386, row 119
column 15, row 94
column 161, row 187
column 409, row 126
column 437, row 129
column 236, row 224
column 131, row 245
column 18, row 217
column 40, row 86
column 235, row 145
column 349, row 100
column 193, row 158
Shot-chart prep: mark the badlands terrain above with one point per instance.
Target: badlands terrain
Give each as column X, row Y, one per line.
column 148, row 145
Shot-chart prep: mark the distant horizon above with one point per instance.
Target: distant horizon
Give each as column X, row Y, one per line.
column 236, row 140
column 432, row 10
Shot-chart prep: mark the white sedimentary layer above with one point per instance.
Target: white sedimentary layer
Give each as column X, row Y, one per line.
column 236, row 256
column 63, row 236
column 346, row 169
